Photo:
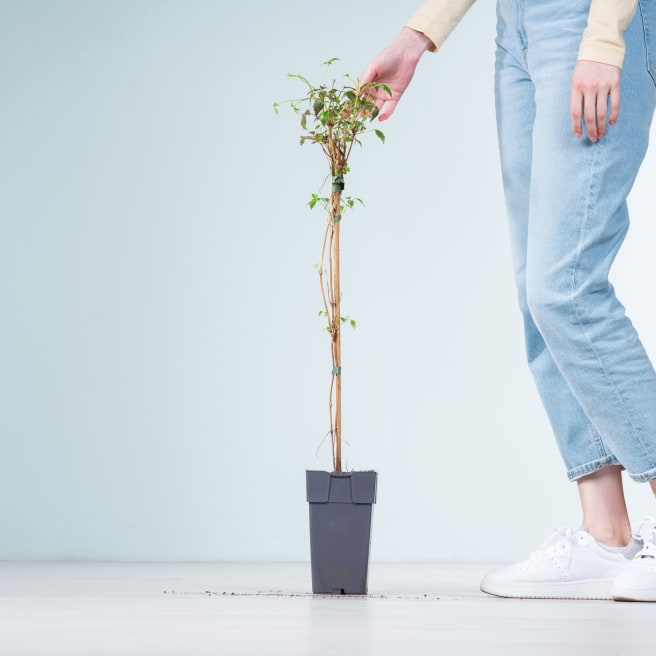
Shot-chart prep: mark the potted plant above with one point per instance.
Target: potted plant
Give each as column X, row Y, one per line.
column 334, row 118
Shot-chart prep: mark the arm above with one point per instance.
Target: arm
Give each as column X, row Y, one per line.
column 396, row 64
column 599, row 68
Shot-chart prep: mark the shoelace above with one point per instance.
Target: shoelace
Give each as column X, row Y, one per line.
column 553, row 546
column 646, row 531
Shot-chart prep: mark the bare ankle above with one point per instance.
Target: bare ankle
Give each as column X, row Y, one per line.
column 612, row 536
column 604, row 508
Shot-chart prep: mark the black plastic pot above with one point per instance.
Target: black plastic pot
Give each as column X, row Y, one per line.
column 340, row 529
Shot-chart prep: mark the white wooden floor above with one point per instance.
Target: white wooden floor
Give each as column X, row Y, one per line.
column 224, row 609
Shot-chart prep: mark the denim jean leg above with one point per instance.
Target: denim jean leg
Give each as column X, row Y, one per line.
column 577, row 222
column 581, row 447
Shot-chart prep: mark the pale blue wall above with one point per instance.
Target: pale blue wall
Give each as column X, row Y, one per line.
column 162, row 370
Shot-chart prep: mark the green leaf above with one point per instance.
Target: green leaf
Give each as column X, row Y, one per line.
column 387, row 90
column 380, row 135
column 330, row 62
column 353, row 324
column 299, row 77
column 275, row 107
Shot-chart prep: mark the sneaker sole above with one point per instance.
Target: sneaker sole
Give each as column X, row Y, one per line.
column 634, row 595
column 593, row 590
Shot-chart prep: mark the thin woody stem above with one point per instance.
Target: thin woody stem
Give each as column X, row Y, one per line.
column 321, row 280
column 332, row 423
column 336, row 336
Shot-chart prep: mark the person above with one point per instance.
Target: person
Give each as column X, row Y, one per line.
column 568, row 162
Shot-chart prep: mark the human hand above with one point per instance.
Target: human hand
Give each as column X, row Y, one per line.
column 394, row 67
column 592, row 84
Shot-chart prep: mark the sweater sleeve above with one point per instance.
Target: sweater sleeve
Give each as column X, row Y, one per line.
column 437, row 18
column 603, row 39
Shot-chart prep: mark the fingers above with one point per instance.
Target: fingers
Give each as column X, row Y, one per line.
column 373, row 94
column 591, row 111
column 576, row 111
column 595, row 87
column 600, row 115
column 390, row 106
column 371, row 75
column 614, row 104
column 387, row 103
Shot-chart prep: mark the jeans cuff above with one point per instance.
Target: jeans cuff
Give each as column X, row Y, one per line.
column 649, row 475
column 591, row 467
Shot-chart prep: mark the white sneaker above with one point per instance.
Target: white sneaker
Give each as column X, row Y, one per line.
column 569, row 565
column 637, row 582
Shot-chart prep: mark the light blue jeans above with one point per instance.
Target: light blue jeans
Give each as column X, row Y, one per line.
column 566, row 202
